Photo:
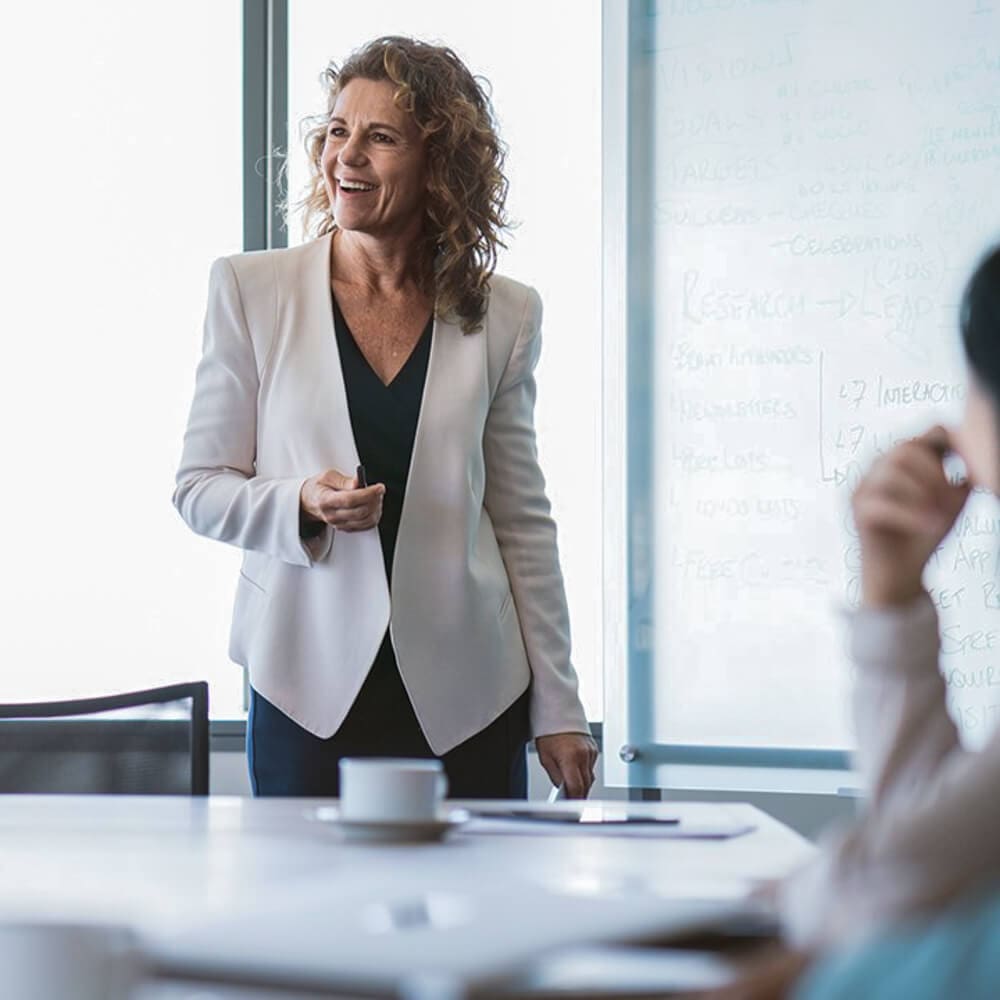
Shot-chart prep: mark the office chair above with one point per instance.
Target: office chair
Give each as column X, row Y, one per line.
column 109, row 745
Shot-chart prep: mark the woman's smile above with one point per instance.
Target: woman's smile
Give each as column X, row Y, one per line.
column 351, row 186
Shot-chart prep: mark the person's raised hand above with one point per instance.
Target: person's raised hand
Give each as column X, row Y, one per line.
column 903, row 509
column 568, row 759
column 335, row 499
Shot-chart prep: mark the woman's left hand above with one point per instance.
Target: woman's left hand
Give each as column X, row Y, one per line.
column 568, row 759
column 903, row 509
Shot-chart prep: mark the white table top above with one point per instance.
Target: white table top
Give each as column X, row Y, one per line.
column 163, row 865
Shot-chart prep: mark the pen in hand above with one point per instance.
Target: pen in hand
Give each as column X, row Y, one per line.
column 361, row 477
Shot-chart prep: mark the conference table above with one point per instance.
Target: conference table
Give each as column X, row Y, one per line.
column 268, row 891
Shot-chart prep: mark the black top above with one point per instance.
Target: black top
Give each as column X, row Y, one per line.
column 384, row 420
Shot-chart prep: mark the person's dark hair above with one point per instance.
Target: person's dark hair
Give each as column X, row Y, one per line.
column 980, row 323
column 467, row 187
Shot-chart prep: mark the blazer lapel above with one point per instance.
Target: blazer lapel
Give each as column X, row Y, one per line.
column 311, row 318
column 454, row 390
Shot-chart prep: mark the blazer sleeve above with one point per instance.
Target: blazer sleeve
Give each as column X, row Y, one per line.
column 519, row 509
column 217, row 490
column 931, row 830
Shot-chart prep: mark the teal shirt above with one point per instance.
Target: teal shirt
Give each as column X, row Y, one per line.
column 955, row 956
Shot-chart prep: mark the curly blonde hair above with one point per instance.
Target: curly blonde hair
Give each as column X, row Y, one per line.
column 467, row 187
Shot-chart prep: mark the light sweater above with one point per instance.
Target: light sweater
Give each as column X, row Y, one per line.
column 931, row 829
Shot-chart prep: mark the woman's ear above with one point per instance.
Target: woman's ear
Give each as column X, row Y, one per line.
column 977, row 438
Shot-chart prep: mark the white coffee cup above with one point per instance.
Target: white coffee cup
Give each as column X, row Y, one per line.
column 41, row 960
column 391, row 790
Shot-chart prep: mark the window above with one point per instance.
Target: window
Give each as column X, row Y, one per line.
column 122, row 172
column 127, row 186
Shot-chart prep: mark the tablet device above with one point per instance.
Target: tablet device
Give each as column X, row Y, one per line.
column 602, row 815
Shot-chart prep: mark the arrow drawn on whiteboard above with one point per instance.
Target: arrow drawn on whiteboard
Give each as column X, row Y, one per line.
column 845, row 303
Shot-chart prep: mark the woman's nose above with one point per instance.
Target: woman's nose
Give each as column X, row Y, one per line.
column 351, row 153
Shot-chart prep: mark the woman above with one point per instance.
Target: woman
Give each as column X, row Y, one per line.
column 424, row 613
column 922, row 866
column 932, row 828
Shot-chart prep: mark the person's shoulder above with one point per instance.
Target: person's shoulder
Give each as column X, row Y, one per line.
column 508, row 290
column 511, row 302
column 257, row 264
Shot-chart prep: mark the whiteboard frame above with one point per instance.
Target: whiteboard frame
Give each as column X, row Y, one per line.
column 631, row 757
column 614, row 324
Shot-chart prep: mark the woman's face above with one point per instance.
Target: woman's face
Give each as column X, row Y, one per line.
column 374, row 162
column 977, row 438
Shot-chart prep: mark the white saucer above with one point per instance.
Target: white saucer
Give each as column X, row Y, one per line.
column 392, row 831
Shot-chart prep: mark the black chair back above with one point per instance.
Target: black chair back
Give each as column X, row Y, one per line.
column 152, row 742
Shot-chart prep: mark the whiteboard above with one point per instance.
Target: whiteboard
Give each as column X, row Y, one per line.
column 825, row 175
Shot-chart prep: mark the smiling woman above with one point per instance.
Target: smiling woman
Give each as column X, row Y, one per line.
column 424, row 614
column 374, row 162
column 438, row 122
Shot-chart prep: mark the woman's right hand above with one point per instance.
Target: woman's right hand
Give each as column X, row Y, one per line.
column 335, row 499
column 903, row 509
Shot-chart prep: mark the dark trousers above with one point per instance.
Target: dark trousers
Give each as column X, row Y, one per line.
column 285, row 759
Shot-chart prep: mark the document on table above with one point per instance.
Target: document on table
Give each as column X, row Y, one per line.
column 681, row 821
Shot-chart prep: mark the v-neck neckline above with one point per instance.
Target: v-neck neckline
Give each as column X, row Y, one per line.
column 425, row 334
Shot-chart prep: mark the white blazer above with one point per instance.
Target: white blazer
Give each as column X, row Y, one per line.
column 477, row 609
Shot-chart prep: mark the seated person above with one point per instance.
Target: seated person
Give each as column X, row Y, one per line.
column 931, row 831
column 923, row 863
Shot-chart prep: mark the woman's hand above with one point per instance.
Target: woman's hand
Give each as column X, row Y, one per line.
column 335, row 499
column 903, row 509
column 568, row 759
column 770, row 973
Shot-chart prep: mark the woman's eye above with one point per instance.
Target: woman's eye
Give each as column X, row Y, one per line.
column 381, row 137
column 335, row 131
